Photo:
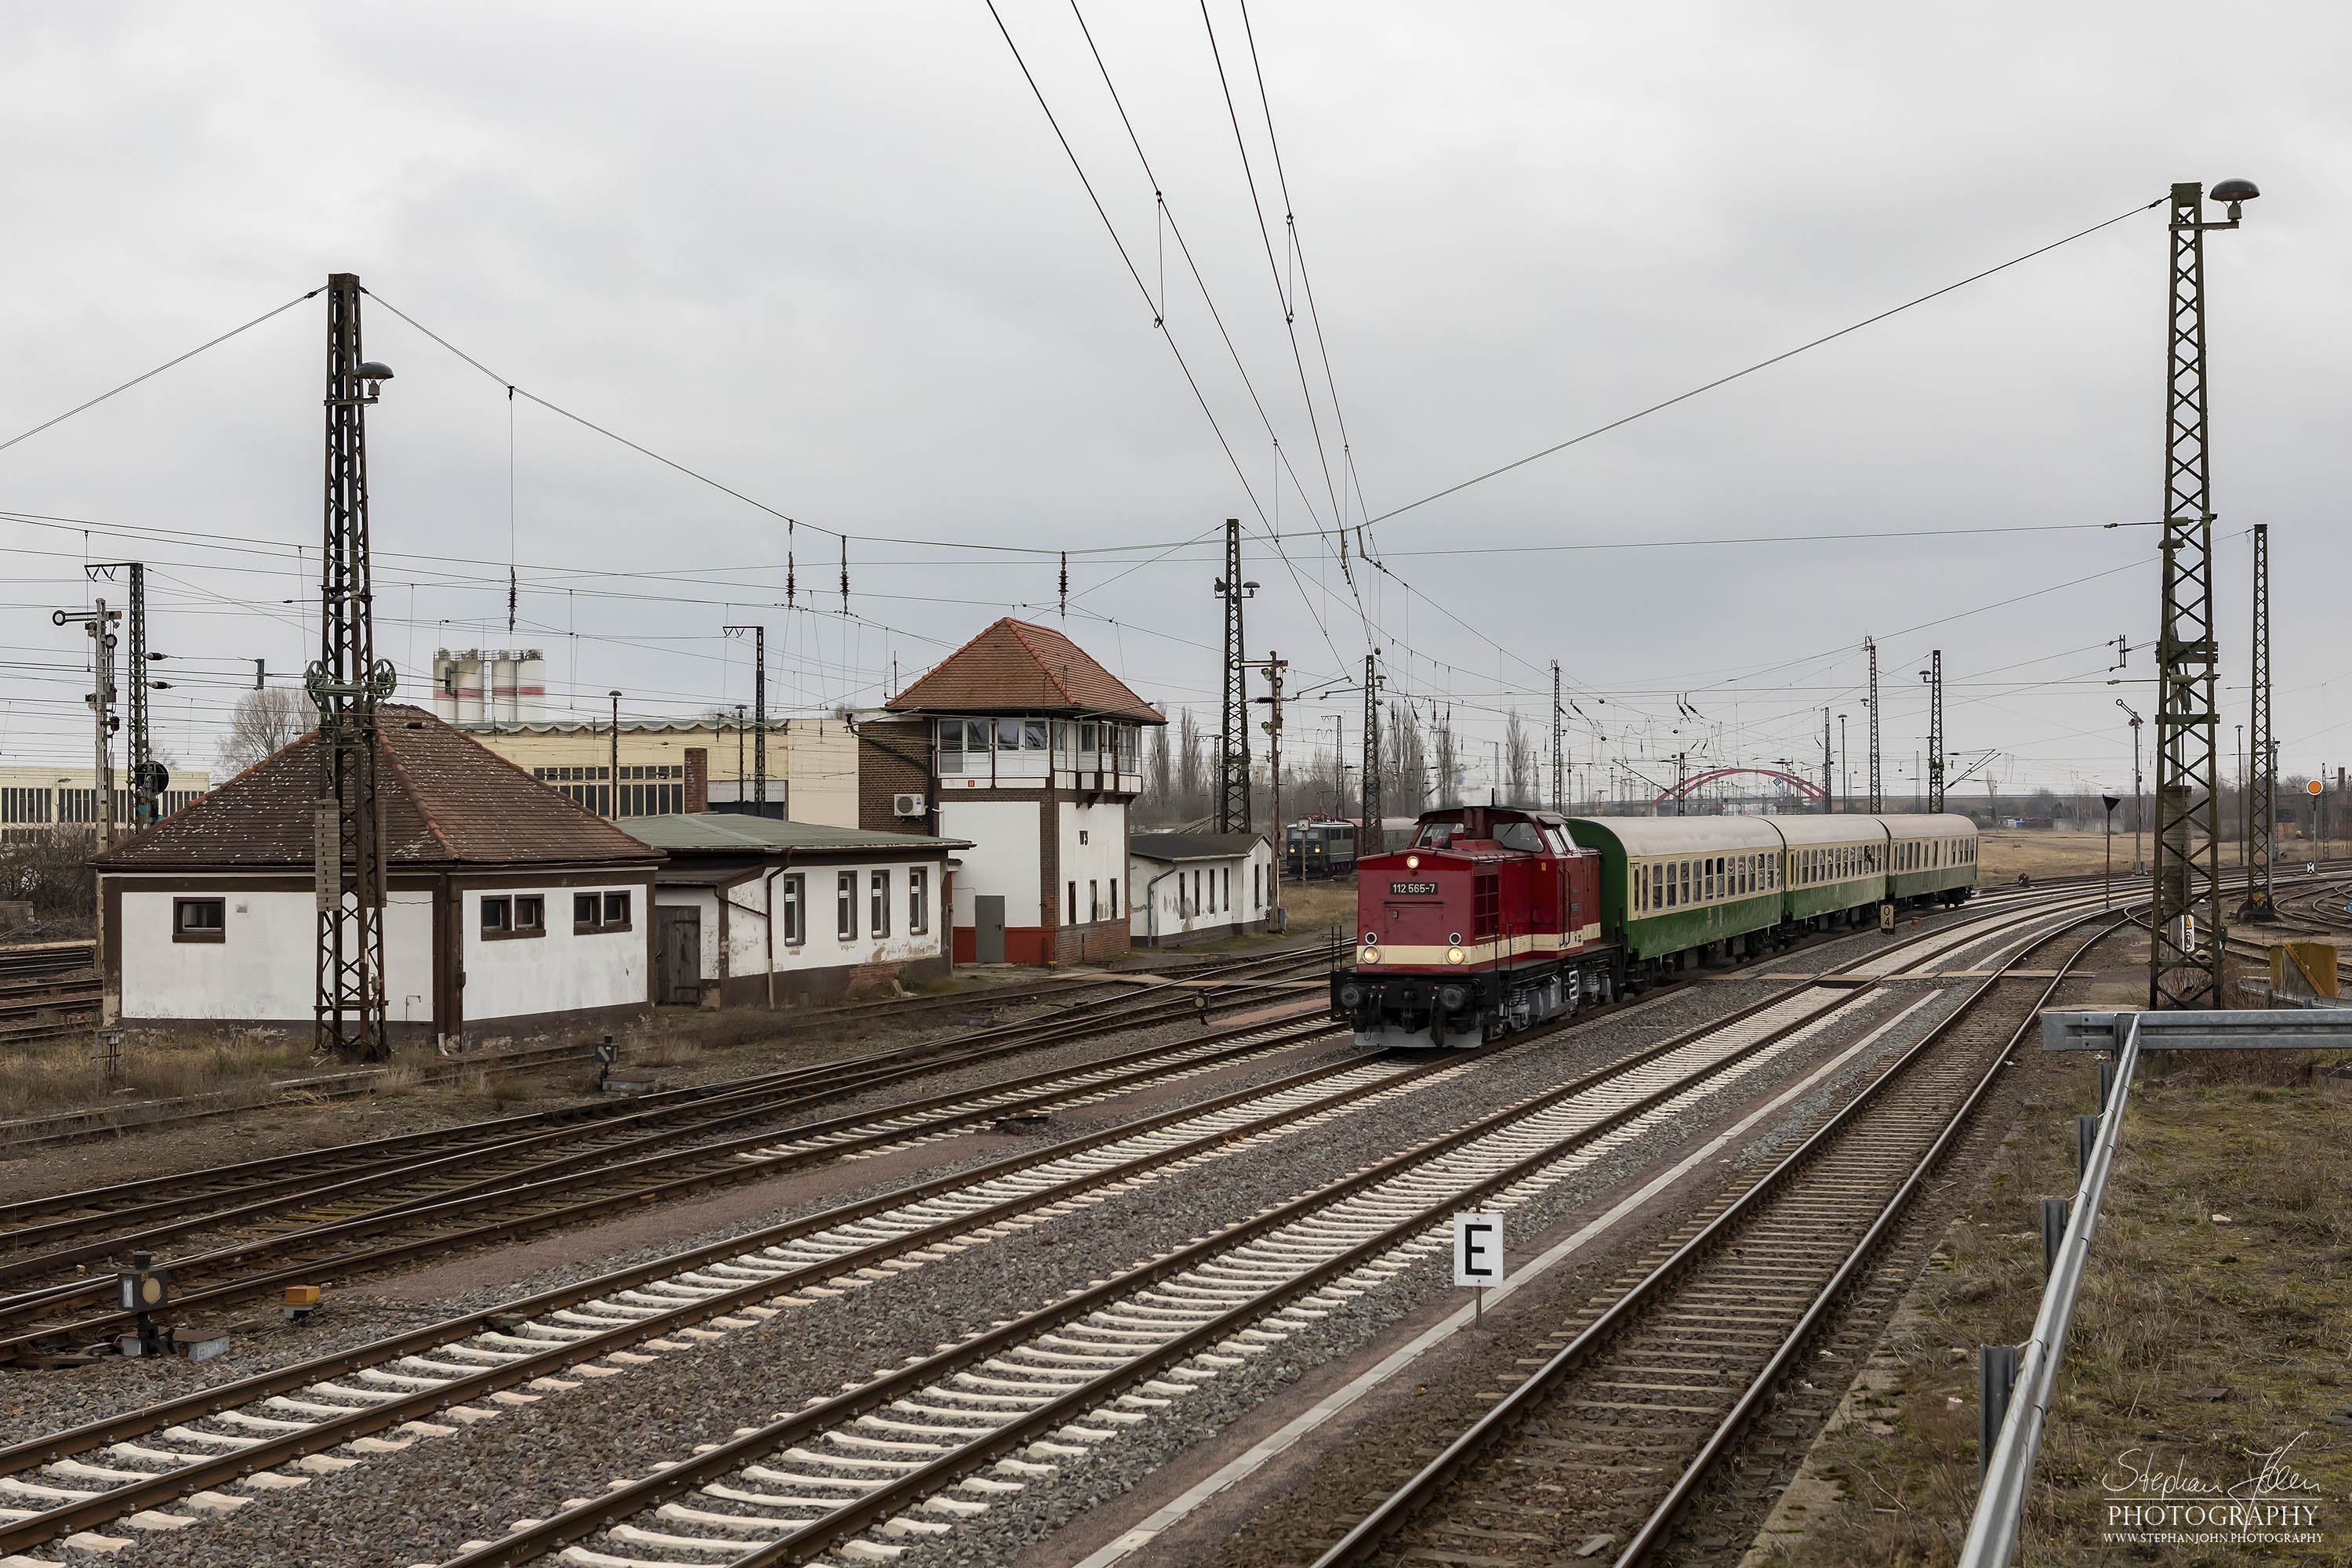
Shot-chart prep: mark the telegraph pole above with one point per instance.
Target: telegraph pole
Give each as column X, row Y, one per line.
column 2260, row 803
column 1371, row 834
column 1273, row 664
column 613, row 738
column 759, row 722
column 1877, row 799
column 98, row 624
column 1233, row 729
column 144, row 777
column 1559, row 748
column 1829, row 780
column 2184, row 956
column 345, row 684
column 1933, row 676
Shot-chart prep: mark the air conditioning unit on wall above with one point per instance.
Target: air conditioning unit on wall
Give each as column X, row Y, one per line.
column 906, row 804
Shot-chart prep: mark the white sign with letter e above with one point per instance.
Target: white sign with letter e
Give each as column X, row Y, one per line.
column 1478, row 1249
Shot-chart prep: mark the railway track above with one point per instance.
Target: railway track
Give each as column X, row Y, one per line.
column 464, row 1369
column 1074, row 997
column 1603, row 1448
column 395, row 1201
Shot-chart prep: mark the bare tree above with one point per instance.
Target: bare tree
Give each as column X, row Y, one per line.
column 1407, row 762
column 1518, row 761
column 1445, row 787
column 262, row 722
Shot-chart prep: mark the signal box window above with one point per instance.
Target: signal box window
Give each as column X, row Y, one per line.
column 199, row 920
column 918, row 900
column 880, row 912
column 845, row 906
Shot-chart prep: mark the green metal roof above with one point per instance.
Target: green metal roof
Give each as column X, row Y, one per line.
column 711, row 831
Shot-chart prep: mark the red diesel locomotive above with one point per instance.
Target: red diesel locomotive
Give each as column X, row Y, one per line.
column 1488, row 922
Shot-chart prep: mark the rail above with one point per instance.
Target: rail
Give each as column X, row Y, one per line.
column 2001, row 1505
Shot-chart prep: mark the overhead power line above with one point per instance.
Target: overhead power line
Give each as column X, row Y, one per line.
column 167, row 364
column 1763, row 363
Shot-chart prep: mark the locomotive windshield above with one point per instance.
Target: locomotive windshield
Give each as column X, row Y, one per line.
column 1520, row 836
column 1437, row 835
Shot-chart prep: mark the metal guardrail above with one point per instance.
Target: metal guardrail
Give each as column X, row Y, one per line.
column 2000, row 1504
column 2235, row 1029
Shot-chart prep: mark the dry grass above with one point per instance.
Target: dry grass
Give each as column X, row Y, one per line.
column 57, row 1075
column 1319, row 906
column 2199, row 1342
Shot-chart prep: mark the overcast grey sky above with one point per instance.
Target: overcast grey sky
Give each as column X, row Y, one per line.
column 835, row 258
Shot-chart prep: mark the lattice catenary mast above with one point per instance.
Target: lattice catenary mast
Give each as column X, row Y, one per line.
column 345, row 685
column 2262, row 788
column 1933, row 676
column 1877, row 799
column 2184, row 953
column 1373, row 840
column 1233, row 727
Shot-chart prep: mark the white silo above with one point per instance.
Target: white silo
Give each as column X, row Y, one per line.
column 502, row 686
column 530, row 689
column 445, row 686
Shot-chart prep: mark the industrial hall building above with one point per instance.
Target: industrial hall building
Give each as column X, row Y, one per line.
column 511, row 911
column 648, row 767
column 1020, row 743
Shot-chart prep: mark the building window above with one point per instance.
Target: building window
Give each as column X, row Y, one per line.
column 844, row 900
column 599, row 911
column 919, row 900
column 879, row 887
column 1082, row 836
column 1094, row 899
column 1114, row 897
column 513, row 915
column 950, row 745
column 1227, row 902
column 1074, row 904
column 199, row 920
column 1256, row 902
column 795, row 891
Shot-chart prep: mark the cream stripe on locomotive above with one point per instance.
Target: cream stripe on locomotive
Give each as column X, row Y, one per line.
column 1473, row 954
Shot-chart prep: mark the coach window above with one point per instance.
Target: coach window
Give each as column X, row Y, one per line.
column 1686, row 883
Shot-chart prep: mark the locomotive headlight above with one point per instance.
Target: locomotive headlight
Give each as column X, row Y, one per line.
column 1413, row 862
column 1452, row 955
column 1371, row 956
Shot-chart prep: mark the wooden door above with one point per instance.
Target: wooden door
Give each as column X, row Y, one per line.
column 678, row 947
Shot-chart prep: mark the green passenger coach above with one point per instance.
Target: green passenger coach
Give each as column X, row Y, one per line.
column 1673, row 883
column 1679, row 890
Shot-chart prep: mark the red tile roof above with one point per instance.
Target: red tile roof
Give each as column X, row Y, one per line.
column 448, row 800
column 1014, row 667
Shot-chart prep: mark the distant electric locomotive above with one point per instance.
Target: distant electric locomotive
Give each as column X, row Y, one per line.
column 1488, row 922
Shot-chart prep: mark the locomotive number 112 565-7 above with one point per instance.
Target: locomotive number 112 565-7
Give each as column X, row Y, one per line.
column 1410, row 889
